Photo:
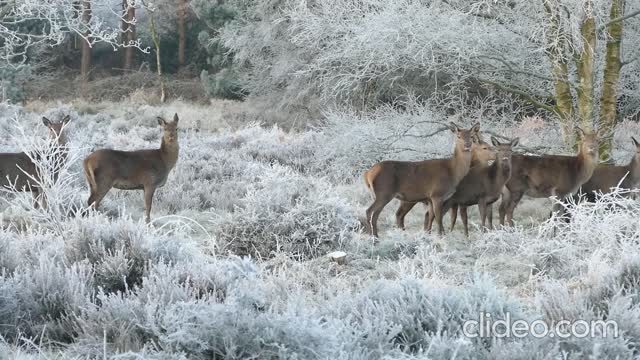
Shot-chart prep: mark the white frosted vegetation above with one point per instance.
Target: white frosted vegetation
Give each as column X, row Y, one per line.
column 96, row 284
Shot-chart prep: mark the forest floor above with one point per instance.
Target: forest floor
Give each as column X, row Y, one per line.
column 237, row 248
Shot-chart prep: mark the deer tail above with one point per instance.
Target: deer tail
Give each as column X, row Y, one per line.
column 90, row 175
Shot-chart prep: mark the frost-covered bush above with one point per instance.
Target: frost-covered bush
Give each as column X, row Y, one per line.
column 103, row 282
column 302, row 218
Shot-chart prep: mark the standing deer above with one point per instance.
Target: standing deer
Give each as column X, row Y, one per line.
column 549, row 175
column 482, row 186
column 606, row 177
column 17, row 170
column 433, row 180
column 481, row 154
column 133, row 170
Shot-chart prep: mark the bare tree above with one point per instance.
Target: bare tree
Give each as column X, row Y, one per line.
column 128, row 32
column 57, row 19
column 85, row 59
column 182, row 31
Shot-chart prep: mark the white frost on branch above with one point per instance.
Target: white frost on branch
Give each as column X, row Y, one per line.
column 25, row 24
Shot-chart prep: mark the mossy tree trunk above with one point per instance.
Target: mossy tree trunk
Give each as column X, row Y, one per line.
column 585, row 67
column 608, row 101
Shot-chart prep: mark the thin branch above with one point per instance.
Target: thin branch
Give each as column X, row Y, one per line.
column 622, row 18
column 519, row 92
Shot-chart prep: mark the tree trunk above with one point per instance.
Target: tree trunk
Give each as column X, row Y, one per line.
column 129, row 34
column 585, row 67
column 182, row 31
column 609, row 97
column 156, row 42
column 85, row 60
column 557, row 52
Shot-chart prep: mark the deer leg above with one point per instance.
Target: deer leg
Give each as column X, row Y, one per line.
column 402, row 211
column 502, row 208
column 148, row 199
column 454, row 215
column 374, row 211
column 482, row 208
column 436, row 205
column 465, row 220
column 428, row 217
column 515, row 199
column 96, row 196
column 490, row 216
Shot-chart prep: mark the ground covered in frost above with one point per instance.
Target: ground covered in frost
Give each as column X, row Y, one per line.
column 234, row 265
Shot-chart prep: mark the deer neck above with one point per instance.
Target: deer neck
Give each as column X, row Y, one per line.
column 475, row 162
column 586, row 164
column 502, row 172
column 169, row 153
column 460, row 164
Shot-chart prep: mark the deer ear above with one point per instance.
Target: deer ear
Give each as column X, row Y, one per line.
column 46, row 121
column 515, row 142
column 476, row 127
column 175, row 118
column 494, row 141
column 580, row 131
column 161, row 121
column 66, row 119
column 454, row 128
column 635, row 142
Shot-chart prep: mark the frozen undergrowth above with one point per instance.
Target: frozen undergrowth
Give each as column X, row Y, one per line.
column 102, row 285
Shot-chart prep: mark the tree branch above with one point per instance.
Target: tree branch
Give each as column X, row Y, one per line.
column 621, row 18
column 521, row 93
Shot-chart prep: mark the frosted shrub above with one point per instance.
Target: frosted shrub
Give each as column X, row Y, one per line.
column 353, row 142
column 408, row 313
column 217, row 330
column 609, row 226
column 117, row 250
column 303, row 219
column 48, row 294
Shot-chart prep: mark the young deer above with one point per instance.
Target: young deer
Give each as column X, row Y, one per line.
column 133, row 170
column 549, row 175
column 482, row 186
column 17, row 170
column 481, row 154
column 434, row 180
column 606, row 177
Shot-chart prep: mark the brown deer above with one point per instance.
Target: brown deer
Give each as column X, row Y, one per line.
column 481, row 154
column 133, row 170
column 17, row 170
column 434, row 180
column 482, row 186
column 549, row 175
column 606, row 177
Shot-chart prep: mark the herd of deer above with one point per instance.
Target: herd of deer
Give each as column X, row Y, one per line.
column 452, row 184
column 467, row 179
column 104, row 169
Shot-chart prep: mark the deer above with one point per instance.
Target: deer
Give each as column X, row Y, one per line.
column 144, row 170
column 550, row 175
column 19, row 173
column 607, row 177
column 482, row 186
column 481, row 154
column 416, row 181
